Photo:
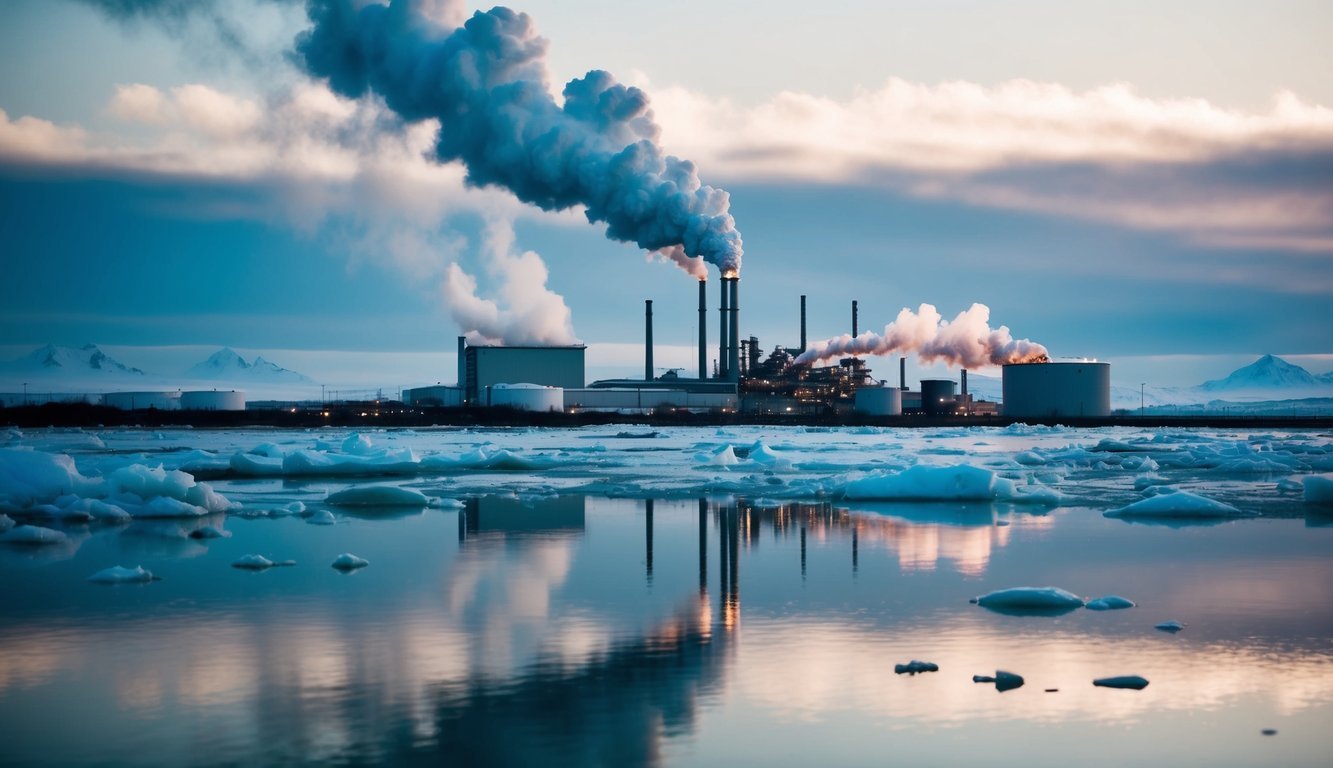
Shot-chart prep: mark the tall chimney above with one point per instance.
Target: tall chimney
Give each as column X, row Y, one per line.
column 734, row 367
column 902, row 373
column 855, row 329
column 648, row 340
column 703, row 330
column 964, row 387
column 724, row 315
column 803, row 322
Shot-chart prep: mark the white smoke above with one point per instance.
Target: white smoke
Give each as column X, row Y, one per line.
column 525, row 311
column 967, row 340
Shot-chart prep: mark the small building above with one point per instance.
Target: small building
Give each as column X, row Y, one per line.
column 138, row 401
column 437, row 396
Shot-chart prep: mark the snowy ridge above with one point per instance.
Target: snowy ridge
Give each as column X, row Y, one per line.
column 227, row 365
column 52, row 360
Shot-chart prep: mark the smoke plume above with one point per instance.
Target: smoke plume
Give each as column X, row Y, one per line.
column 486, row 83
column 967, row 340
column 525, row 311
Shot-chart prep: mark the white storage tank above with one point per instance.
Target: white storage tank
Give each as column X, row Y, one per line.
column 879, row 401
column 138, row 401
column 1058, row 389
column 528, row 397
column 213, row 400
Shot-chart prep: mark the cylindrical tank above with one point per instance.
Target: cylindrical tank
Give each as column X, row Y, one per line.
column 213, row 400
column 137, row 401
column 879, row 401
column 1076, row 388
column 937, row 396
column 528, row 397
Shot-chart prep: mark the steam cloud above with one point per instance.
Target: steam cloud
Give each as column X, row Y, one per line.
column 967, row 340
column 486, row 83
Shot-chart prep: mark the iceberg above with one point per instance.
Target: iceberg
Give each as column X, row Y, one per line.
column 1110, row 603
column 33, row 534
column 259, row 563
column 1123, row 681
column 349, row 562
column 1177, row 504
column 322, row 517
column 961, row 482
column 913, row 667
column 118, row 575
column 1030, row 601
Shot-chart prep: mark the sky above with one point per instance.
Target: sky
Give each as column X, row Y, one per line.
column 1149, row 183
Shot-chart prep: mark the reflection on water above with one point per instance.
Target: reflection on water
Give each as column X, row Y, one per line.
column 584, row 630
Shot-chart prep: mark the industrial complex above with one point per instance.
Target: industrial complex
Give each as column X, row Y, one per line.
column 743, row 380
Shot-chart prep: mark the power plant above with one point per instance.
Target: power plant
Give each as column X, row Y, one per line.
column 744, row 380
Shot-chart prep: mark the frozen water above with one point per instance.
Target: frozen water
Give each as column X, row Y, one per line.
column 1123, row 681
column 259, row 563
column 1178, row 503
column 322, row 517
column 378, row 496
column 1030, row 600
column 1319, row 489
column 32, row 534
column 209, row 532
column 914, row 666
column 954, row 483
column 349, row 562
column 1110, row 603
column 1169, row 626
column 118, row 575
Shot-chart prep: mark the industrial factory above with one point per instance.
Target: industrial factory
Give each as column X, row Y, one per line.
column 744, row 380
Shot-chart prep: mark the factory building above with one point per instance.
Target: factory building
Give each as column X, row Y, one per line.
column 436, row 396
column 1057, row 389
column 483, row 367
column 135, row 401
column 213, row 400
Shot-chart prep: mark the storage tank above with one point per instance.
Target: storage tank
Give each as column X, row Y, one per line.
column 138, row 401
column 937, row 396
column 528, row 397
column 879, row 401
column 213, row 400
column 1062, row 389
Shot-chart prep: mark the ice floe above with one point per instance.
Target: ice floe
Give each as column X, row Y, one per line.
column 1110, row 603
column 1122, row 681
column 118, row 575
column 1030, row 601
column 33, row 534
column 961, row 482
column 322, row 517
column 1177, row 503
column 259, row 563
column 1319, row 489
column 914, row 666
column 1169, row 626
column 349, row 562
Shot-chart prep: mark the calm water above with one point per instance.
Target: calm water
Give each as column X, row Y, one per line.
column 573, row 629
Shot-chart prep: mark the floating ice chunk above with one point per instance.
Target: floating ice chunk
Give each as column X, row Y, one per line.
column 322, row 517
column 442, row 503
column 6, row 522
column 378, row 496
column 1109, row 603
column 1030, row 458
column 1004, row 681
column 912, row 667
column 1177, row 504
column 349, row 562
column 923, row 483
column 30, row 477
column 1169, row 626
column 165, row 506
column 722, row 457
column 1290, row 485
column 1032, row 494
column 251, row 465
column 100, row 510
column 259, row 563
column 1123, row 681
column 1030, row 601
column 209, row 532
column 148, row 481
column 357, row 444
column 1319, row 489
column 1148, row 480
column 33, row 534
column 118, row 575
column 399, row 462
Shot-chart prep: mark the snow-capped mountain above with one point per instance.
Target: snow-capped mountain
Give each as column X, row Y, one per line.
column 227, row 365
column 52, row 361
column 1268, row 372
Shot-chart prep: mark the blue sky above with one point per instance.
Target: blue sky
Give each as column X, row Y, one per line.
column 1149, row 183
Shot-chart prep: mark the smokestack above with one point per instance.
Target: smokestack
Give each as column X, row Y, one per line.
column 803, row 322
column 648, row 340
column 902, row 373
column 724, row 316
column 964, row 387
column 734, row 368
column 462, row 361
column 703, row 330
column 855, row 329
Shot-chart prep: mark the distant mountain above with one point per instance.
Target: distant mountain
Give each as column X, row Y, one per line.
column 50, row 361
column 1268, row 372
column 227, row 365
